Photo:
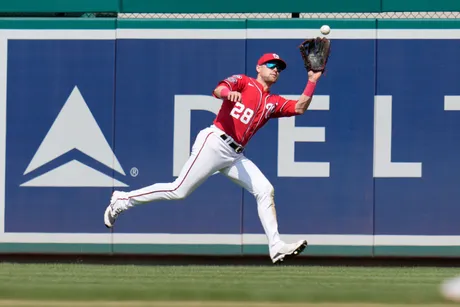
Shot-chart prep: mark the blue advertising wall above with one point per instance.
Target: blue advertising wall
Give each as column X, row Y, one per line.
column 89, row 109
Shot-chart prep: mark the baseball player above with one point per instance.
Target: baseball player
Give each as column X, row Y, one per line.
column 247, row 105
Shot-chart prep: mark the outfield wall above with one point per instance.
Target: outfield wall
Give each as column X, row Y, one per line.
column 237, row 6
column 88, row 105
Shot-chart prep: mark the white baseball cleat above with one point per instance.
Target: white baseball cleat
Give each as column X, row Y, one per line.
column 289, row 251
column 115, row 207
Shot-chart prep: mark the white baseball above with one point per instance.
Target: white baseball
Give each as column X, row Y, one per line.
column 325, row 29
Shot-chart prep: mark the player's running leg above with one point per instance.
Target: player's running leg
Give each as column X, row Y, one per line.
column 209, row 154
column 246, row 174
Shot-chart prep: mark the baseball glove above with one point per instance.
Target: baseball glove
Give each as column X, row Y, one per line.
column 315, row 53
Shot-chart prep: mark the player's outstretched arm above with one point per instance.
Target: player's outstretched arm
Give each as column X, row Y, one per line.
column 315, row 54
column 224, row 92
column 305, row 99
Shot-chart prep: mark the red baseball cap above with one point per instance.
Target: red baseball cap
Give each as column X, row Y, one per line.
column 267, row 57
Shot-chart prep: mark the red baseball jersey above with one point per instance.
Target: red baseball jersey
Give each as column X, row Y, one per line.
column 241, row 120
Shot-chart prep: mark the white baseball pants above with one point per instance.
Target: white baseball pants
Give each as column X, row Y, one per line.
column 211, row 154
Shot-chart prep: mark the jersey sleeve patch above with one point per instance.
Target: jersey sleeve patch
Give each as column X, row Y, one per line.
column 232, row 80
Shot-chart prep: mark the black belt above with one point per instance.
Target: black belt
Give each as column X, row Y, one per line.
column 235, row 146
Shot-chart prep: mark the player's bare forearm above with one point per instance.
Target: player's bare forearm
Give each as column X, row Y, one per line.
column 305, row 99
column 302, row 104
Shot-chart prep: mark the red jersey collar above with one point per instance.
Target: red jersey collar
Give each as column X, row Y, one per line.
column 261, row 87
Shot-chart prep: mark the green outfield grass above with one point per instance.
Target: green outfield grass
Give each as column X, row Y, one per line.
column 283, row 284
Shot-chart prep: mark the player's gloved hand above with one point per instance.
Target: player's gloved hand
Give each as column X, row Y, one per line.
column 234, row 96
column 315, row 53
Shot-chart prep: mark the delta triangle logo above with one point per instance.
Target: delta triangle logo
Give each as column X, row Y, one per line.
column 74, row 128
